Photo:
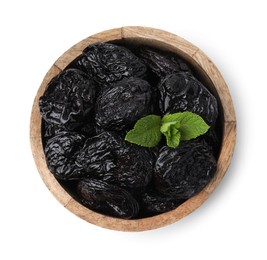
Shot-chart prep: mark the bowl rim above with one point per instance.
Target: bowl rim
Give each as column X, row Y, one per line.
column 164, row 40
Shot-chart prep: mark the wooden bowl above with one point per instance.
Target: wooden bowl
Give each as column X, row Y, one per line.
column 162, row 40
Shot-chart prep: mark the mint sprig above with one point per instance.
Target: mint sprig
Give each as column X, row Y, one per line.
column 181, row 126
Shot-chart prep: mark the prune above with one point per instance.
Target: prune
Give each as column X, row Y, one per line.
column 181, row 92
column 107, row 157
column 68, row 99
column 97, row 154
column 154, row 203
column 162, row 63
column 107, row 63
column 50, row 130
column 184, row 171
column 60, row 152
column 123, row 104
column 109, row 199
column 134, row 166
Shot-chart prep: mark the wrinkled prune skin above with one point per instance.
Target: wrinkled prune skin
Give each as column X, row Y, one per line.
column 108, row 199
column 60, row 152
column 50, row 130
column 182, row 92
column 107, row 157
column 68, row 99
column 184, row 171
column 97, row 154
column 154, row 203
column 123, row 104
column 135, row 166
column 162, row 63
column 107, row 63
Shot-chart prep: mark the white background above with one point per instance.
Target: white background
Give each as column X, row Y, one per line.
column 231, row 224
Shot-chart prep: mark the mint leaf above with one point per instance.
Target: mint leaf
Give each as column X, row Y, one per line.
column 166, row 130
column 171, row 132
column 172, row 118
column 181, row 126
column 174, row 140
column 165, row 126
column 187, row 125
column 146, row 131
column 192, row 126
column 173, row 136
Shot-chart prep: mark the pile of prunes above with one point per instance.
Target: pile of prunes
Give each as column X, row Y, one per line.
column 89, row 107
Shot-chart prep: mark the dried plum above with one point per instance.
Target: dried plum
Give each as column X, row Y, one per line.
column 107, row 63
column 107, row 157
column 162, row 63
column 108, row 199
column 60, row 152
column 134, row 166
column 154, row 203
column 50, row 130
column 68, row 99
column 97, row 154
column 181, row 92
column 122, row 105
column 184, row 171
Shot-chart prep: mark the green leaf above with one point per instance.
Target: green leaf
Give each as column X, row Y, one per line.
column 174, row 140
column 146, row 131
column 166, row 127
column 192, row 126
column 172, row 136
column 172, row 118
column 181, row 126
column 166, row 130
column 188, row 124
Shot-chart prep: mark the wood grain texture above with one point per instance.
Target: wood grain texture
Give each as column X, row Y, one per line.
column 166, row 41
